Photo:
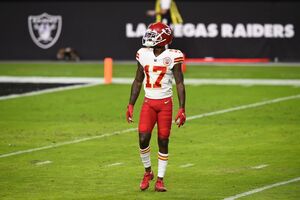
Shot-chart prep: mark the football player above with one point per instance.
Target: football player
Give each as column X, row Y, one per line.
column 166, row 11
column 155, row 71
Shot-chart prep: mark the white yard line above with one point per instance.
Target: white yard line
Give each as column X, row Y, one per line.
column 262, row 189
column 134, row 129
column 186, row 165
column 114, row 164
column 253, row 105
column 41, row 79
column 188, row 81
column 133, row 62
column 45, row 91
column 259, row 166
column 43, row 162
column 67, row 142
column 87, row 82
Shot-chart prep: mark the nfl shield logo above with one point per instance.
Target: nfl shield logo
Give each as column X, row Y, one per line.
column 44, row 29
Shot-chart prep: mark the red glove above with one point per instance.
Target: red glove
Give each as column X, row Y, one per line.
column 129, row 113
column 180, row 117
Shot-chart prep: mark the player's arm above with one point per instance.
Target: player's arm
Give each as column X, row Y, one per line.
column 135, row 91
column 164, row 7
column 152, row 13
column 178, row 75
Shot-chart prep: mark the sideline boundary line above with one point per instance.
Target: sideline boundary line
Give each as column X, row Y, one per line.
column 262, row 189
column 124, row 80
column 133, row 62
column 262, row 103
column 45, row 91
column 87, row 82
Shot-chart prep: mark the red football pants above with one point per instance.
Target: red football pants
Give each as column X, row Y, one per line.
column 156, row 110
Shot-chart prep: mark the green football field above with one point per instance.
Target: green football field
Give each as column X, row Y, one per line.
column 76, row 144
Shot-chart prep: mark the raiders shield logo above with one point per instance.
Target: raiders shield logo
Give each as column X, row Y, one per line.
column 44, row 29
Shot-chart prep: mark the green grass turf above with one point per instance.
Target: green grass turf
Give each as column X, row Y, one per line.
column 128, row 70
column 223, row 148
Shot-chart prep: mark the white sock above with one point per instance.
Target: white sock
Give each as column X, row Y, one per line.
column 145, row 156
column 162, row 164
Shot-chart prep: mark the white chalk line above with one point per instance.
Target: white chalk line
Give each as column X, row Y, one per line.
column 253, row 105
column 43, row 162
column 134, row 129
column 42, row 79
column 68, row 142
column 186, row 165
column 45, row 91
column 124, row 80
column 133, row 62
column 259, row 166
column 262, row 189
column 114, row 164
column 87, row 82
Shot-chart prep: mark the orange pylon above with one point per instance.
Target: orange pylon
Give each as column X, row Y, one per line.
column 108, row 69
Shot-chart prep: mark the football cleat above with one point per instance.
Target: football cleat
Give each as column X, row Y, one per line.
column 148, row 176
column 159, row 186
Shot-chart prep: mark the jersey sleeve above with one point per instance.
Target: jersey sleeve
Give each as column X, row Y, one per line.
column 140, row 55
column 178, row 57
column 137, row 56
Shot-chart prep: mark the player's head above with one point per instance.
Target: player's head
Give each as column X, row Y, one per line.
column 157, row 35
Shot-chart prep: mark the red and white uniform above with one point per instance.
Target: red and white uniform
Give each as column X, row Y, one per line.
column 158, row 74
column 157, row 106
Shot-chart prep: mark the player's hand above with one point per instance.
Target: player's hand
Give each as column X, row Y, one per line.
column 129, row 113
column 151, row 13
column 180, row 117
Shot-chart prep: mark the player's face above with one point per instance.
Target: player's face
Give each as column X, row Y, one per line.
column 152, row 38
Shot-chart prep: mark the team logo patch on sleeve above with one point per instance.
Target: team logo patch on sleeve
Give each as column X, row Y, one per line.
column 167, row 61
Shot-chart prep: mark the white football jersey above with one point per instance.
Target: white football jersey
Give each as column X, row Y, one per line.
column 158, row 71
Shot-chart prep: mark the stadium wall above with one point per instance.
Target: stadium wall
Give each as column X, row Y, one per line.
column 96, row 30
